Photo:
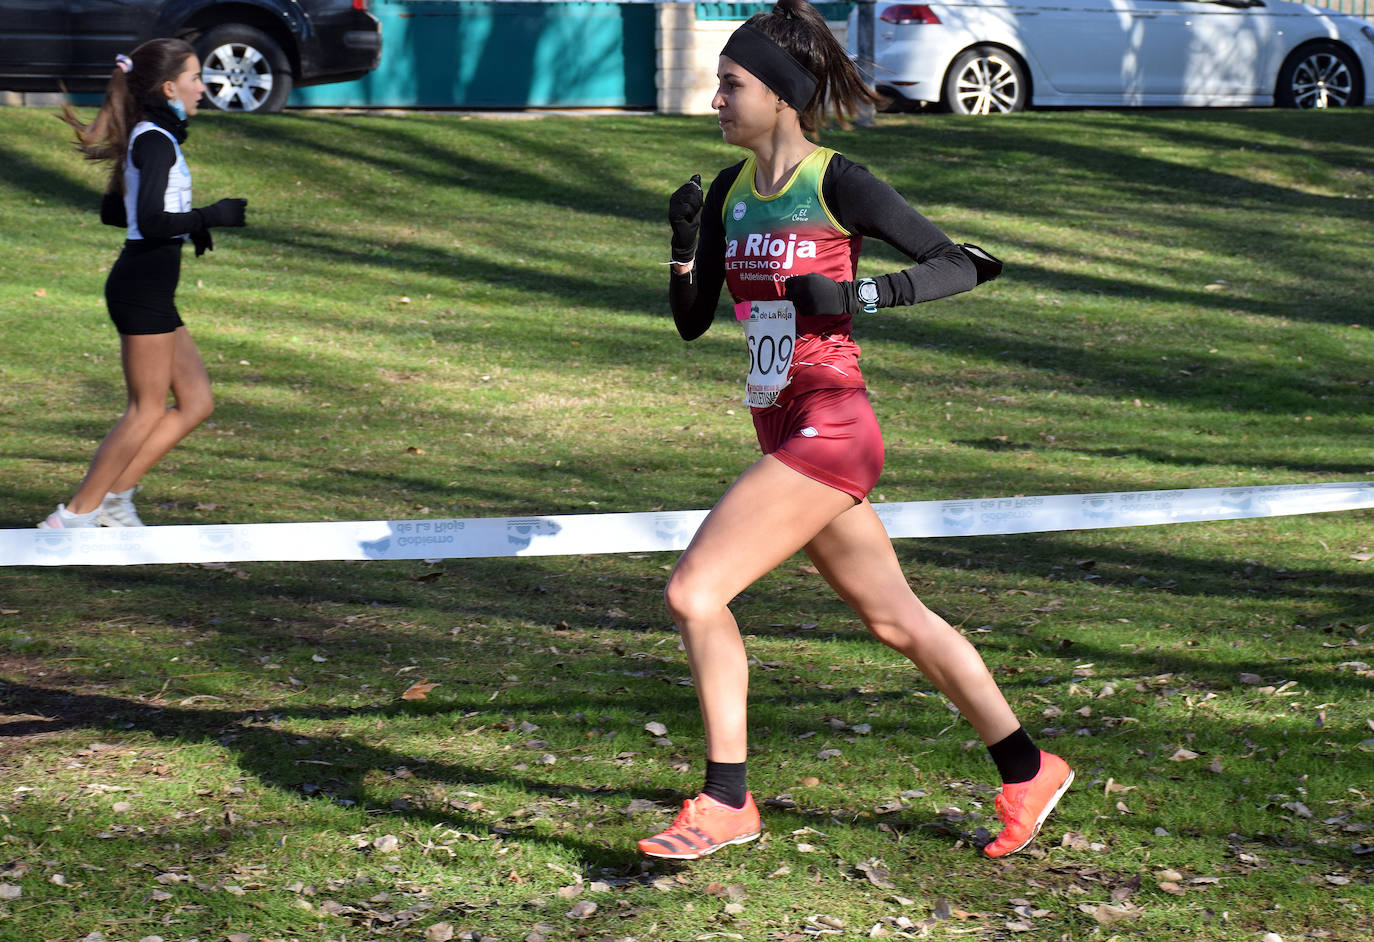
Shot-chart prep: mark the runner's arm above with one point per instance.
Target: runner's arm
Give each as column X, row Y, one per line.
column 154, row 155
column 695, row 295
column 867, row 206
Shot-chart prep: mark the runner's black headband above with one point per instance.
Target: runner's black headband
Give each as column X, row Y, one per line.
column 771, row 64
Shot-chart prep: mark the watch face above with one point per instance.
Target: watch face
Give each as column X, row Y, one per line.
column 868, row 292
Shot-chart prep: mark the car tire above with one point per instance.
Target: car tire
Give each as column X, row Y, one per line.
column 985, row 80
column 1320, row 75
column 894, row 102
column 244, row 69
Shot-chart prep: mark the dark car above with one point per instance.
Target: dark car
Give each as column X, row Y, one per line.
column 252, row 52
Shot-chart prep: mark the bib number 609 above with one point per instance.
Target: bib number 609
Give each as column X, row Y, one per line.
column 770, row 355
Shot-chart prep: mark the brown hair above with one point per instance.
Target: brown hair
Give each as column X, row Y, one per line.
column 128, row 96
column 799, row 28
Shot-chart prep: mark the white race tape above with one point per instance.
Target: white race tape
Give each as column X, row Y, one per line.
column 582, row 534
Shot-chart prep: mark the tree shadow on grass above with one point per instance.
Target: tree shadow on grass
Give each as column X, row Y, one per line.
column 1217, row 458
column 957, row 156
column 66, row 188
column 1341, row 138
column 600, row 284
column 1220, row 383
column 273, row 758
column 1155, row 456
column 525, row 599
column 493, row 158
column 1171, row 576
column 339, row 767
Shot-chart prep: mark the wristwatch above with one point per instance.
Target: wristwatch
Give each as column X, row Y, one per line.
column 868, row 294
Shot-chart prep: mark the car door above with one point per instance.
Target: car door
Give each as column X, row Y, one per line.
column 1087, row 48
column 34, row 48
column 1205, row 53
column 102, row 29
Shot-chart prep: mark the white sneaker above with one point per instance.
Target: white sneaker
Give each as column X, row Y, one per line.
column 64, row 519
column 117, row 510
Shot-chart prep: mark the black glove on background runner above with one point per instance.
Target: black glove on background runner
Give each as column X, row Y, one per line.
column 227, row 213
column 224, row 213
column 815, row 294
column 684, row 216
column 112, row 210
column 201, row 239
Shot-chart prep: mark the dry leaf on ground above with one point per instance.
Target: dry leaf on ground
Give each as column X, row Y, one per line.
column 582, row 910
column 418, row 690
column 1106, row 914
column 877, row 873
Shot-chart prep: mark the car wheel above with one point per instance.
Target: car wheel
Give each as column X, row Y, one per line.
column 985, row 80
column 894, row 102
column 244, row 69
column 1321, row 75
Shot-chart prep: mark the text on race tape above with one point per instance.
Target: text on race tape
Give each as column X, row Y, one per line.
column 590, row 534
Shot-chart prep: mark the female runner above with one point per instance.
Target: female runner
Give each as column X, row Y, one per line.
column 139, row 129
column 782, row 230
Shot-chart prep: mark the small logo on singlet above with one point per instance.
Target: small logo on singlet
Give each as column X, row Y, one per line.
column 802, row 214
column 810, row 432
column 739, row 210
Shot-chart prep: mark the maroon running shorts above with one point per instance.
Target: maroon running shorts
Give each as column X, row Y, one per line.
column 829, row 435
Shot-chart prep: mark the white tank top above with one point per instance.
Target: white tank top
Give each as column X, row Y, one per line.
column 177, row 198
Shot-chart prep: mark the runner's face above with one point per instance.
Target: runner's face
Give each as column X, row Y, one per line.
column 746, row 108
column 187, row 85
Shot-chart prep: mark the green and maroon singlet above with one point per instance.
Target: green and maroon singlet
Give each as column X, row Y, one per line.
column 767, row 240
column 815, row 223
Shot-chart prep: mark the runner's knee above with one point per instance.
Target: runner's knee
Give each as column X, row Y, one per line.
column 913, row 629
column 687, row 603
column 893, row 633
column 197, row 408
column 143, row 415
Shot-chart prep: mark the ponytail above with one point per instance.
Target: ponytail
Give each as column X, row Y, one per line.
column 841, row 92
column 135, row 86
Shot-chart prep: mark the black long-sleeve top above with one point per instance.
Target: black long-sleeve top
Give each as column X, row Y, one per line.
column 153, row 155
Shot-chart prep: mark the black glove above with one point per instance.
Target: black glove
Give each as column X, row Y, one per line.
column 202, row 241
column 816, row 294
column 988, row 265
column 684, row 215
column 112, row 210
column 226, row 213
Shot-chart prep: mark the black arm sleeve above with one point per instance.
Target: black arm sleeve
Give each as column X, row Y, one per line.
column 695, row 295
column 867, row 206
column 154, row 155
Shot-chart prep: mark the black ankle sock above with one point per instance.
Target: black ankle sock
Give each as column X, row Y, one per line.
column 725, row 782
column 1017, row 758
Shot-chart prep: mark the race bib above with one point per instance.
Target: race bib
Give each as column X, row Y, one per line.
column 770, row 330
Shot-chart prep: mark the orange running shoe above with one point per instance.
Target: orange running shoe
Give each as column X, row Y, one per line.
column 1024, row 806
column 704, row 826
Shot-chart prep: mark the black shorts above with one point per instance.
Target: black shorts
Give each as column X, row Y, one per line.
column 140, row 292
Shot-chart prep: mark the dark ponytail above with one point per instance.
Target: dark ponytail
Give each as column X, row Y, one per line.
column 128, row 97
column 799, row 28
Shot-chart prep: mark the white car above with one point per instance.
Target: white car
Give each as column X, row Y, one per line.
column 988, row 56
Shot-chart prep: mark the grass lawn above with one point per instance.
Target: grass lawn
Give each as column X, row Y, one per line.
column 447, row 315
